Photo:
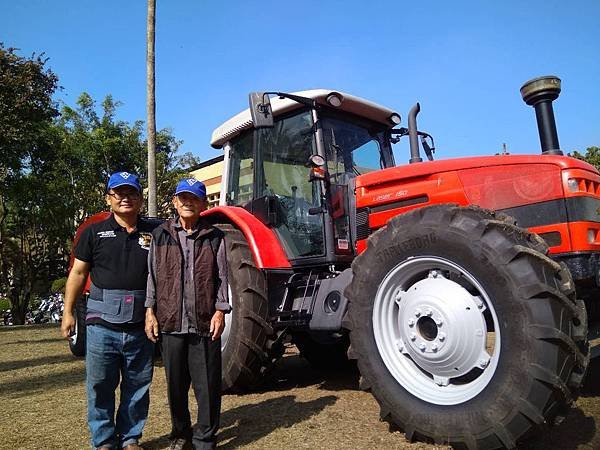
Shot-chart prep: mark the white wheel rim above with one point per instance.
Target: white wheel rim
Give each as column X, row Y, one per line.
column 429, row 323
column 73, row 337
column 225, row 334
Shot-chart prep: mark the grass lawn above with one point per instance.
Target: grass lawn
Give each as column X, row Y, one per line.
column 43, row 406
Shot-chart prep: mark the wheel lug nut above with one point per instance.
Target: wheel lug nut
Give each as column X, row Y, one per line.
column 413, row 336
column 429, row 312
column 422, row 346
column 418, row 312
column 483, row 363
column 434, row 347
column 442, row 336
column 411, row 322
column 438, row 322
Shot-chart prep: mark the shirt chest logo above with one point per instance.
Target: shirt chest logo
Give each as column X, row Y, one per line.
column 145, row 240
column 107, row 234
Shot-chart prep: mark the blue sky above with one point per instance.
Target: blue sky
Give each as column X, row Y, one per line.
column 463, row 61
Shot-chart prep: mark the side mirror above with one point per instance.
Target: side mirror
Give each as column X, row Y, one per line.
column 316, row 163
column 260, row 110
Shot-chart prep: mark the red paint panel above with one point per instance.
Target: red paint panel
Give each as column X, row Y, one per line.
column 437, row 188
column 361, row 246
column 424, row 169
column 267, row 251
column 575, row 236
column 585, row 236
column 500, row 187
column 98, row 217
column 565, row 236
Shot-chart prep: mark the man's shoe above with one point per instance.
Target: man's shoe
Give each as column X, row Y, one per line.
column 180, row 444
column 132, row 447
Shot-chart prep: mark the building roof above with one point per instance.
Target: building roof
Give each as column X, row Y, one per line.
column 350, row 103
column 208, row 162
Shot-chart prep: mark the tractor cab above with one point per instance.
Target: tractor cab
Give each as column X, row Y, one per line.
column 295, row 173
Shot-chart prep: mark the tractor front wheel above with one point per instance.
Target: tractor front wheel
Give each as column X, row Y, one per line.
column 77, row 339
column 463, row 330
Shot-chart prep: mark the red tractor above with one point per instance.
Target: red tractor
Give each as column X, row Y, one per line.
column 460, row 287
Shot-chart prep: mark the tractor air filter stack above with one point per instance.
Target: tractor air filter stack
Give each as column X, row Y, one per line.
column 540, row 93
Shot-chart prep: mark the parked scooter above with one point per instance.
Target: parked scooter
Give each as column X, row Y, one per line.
column 50, row 309
column 7, row 317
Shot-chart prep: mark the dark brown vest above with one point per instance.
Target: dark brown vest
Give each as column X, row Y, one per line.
column 169, row 277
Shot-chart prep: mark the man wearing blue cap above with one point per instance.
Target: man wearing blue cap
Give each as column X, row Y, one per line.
column 114, row 252
column 186, row 302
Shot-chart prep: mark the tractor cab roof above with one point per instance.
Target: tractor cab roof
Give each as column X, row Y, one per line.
column 355, row 105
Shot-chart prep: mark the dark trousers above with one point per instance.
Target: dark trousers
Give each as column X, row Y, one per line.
column 196, row 360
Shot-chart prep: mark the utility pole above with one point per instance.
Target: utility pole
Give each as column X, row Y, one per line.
column 151, row 108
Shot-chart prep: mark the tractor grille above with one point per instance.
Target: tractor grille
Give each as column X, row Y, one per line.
column 362, row 223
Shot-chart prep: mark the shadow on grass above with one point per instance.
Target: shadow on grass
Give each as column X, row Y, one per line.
column 591, row 386
column 37, row 341
column 34, row 362
column 245, row 424
column 45, row 381
column 295, row 372
column 38, row 326
column 577, row 431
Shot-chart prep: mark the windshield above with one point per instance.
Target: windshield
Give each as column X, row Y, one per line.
column 351, row 148
column 284, row 151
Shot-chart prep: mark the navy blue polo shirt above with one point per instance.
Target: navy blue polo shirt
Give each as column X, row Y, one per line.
column 118, row 260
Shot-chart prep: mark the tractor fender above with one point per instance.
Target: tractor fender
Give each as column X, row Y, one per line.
column 263, row 243
column 98, row 217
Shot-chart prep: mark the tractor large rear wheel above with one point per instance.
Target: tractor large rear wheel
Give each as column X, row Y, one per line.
column 463, row 330
column 77, row 339
column 247, row 332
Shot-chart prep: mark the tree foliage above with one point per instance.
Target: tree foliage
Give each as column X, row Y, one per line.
column 26, row 143
column 26, row 108
column 592, row 156
column 54, row 169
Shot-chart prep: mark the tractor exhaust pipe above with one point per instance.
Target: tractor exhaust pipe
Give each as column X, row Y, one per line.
column 540, row 93
column 415, row 155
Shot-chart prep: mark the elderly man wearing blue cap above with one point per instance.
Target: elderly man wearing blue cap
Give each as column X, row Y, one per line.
column 185, row 304
column 114, row 252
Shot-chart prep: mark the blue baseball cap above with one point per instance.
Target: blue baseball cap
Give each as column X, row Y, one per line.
column 192, row 186
column 123, row 179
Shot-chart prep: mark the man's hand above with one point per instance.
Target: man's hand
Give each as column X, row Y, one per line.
column 151, row 326
column 217, row 325
column 67, row 325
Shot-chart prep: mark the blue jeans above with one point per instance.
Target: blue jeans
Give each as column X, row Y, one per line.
column 112, row 356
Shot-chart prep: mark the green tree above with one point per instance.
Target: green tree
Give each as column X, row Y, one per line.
column 26, row 141
column 96, row 144
column 592, row 156
column 55, row 172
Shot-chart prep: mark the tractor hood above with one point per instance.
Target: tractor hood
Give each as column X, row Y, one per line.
column 393, row 174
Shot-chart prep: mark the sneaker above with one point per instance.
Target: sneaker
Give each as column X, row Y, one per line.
column 180, row 444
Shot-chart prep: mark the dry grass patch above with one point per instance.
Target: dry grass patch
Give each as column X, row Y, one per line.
column 42, row 406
